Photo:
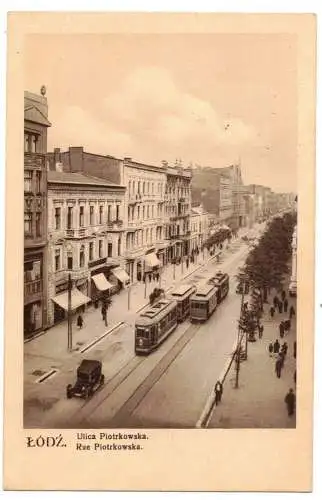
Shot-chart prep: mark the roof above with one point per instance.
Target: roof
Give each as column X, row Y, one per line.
column 55, row 177
column 33, row 114
column 181, row 290
column 203, row 292
column 155, row 312
column 88, row 365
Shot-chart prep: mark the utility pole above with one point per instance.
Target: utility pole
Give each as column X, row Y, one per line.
column 145, row 285
column 239, row 338
column 129, row 297
column 69, row 313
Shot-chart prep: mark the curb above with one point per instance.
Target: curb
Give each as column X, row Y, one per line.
column 206, row 413
column 108, row 332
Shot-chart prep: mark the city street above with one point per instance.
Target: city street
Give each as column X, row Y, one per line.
column 168, row 388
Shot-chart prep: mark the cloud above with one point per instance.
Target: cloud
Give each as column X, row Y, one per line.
column 150, row 118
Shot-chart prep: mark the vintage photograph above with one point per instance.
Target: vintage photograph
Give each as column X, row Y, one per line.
column 160, row 231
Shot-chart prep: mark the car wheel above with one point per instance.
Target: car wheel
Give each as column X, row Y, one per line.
column 69, row 391
column 102, row 379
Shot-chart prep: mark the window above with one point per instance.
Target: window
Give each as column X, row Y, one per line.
column 143, row 187
column 38, row 224
column 91, row 250
column 100, row 248
column 28, row 181
column 69, row 217
column 128, row 213
column 81, row 216
column 119, row 247
column 117, row 212
column 101, row 214
column 152, row 185
column 57, row 259
column 57, row 217
column 91, row 215
column 152, row 211
column 139, row 187
column 82, row 256
column 109, row 249
column 138, row 211
column 28, row 223
column 31, row 143
column 38, row 182
column 69, row 261
column 143, row 211
column 108, row 213
column 148, row 211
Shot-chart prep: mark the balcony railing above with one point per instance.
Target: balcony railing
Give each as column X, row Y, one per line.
column 76, row 233
column 32, row 287
column 34, row 160
column 114, row 225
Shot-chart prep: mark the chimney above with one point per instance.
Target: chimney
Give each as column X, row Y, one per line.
column 76, row 159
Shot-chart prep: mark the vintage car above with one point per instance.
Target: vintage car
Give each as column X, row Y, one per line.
column 89, row 379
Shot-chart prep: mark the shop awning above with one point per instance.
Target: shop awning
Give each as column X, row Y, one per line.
column 78, row 299
column 101, row 282
column 121, row 275
column 152, row 260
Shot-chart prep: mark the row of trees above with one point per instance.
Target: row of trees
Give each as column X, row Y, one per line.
column 218, row 238
column 267, row 263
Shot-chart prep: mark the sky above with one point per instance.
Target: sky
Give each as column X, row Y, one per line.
column 208, row 99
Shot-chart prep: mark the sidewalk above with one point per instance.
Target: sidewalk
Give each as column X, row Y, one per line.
column 53, row 342
column 259, row 400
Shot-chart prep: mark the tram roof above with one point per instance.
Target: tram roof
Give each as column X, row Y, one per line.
column 219, row 277
column 182, row 290
column 156, row 312
column 203, row 292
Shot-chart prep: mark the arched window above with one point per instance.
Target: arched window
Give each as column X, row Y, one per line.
column 82, row 256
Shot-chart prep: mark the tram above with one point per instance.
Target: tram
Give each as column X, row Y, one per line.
column 182, row 295
column 203, row 303
column 221, row 281
column 155, row 324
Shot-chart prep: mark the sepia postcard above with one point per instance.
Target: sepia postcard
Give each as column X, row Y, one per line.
column 160, row 209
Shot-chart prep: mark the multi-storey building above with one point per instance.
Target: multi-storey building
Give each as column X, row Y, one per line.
column 178, row 211
column 144, row 212
column 35, row 211
column 199, row 227
column 86, row 240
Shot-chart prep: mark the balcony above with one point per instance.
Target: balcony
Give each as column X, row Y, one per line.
column 76, row 233
column 34, row 161
column 115, row 225
column 131, row 253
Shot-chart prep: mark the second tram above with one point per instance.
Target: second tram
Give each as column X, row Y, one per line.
column 182, row 295
column 221, row 282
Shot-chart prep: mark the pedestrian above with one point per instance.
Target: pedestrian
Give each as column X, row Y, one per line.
column 290, row 402
column 218, row 392
column 280, row 306
column 260, row 331
column 270, row 349
column 281, row 328
column 103, row 311
column 284, row 348
column 292, row 312
column 283, row 295
column 80, row 321
column 287, row 325
column 294, row 350
column 276, row 346
column 275, row 301
column 278, row 367
column 272, row 311
column 285, row 305
column 294, row 377
column 150, row 277
column 281, row 357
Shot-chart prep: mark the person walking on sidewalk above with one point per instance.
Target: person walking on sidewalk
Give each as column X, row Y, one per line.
column 260, row 331
column 104, row 314
column 292, row 312
column 276, row 346
column 283, row 295
column 218, row 392
column 278, row 367
column 275, row 302
column 272, row 311
column 294, row 350
column 281, row 328
column 80, row 321
column 270, row 349
column 280, row 306
column 284, row 348
column 285, row 305
column 290, row 402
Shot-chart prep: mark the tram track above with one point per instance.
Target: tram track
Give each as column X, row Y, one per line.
column 82, row 416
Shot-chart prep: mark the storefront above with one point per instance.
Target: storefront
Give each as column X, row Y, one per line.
column 122, row 276
column 62, row 305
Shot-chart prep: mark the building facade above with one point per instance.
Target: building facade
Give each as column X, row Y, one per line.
column 86, row 240
column 200, row 227
column 177, row 212
column 35, row 212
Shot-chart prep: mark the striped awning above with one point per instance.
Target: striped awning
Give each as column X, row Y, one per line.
column 151, row 260
column 77, row 299
column 101, row 282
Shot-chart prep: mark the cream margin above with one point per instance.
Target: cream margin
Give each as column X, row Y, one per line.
column 175, row 460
